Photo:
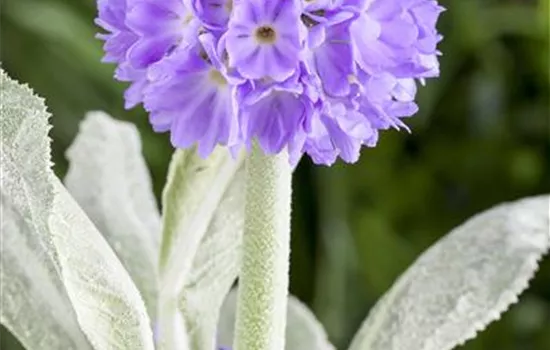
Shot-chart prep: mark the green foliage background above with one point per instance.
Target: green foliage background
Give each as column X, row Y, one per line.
column 481, row 137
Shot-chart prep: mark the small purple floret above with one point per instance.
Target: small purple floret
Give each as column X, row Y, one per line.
column 263, row 39
column 320, row 77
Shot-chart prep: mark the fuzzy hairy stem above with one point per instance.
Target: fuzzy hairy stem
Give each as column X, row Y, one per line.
column 263, row 283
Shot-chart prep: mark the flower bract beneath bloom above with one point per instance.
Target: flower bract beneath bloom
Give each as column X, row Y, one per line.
column 320, row 77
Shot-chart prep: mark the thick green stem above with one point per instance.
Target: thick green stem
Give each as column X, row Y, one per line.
column 263, row 282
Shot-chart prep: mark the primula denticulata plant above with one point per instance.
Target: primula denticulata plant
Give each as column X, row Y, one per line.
column 91, row 264
column 245, row 88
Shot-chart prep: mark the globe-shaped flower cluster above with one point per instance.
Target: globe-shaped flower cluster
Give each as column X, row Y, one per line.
column 320, row 77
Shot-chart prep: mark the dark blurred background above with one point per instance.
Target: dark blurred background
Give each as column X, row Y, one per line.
column 481, row 138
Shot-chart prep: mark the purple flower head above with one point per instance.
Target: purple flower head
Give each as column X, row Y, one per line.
column 320, row 77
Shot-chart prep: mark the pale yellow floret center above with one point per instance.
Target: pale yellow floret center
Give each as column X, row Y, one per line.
column 187, row 19
column 229, row 6
column 265, row 35
column 217, row 77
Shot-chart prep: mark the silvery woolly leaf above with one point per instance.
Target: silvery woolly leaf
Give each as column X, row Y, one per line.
column 79, row 266
column 30, row 284
column 193, row 191
column 215, row 268
column 191, row 196
column 109, row 179
column 463, row 282
column 108, row 305
column 303, row 330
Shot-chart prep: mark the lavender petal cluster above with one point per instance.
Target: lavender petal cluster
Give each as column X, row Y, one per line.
column 320, row 77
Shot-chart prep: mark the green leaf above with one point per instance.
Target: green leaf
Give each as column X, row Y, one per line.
column 215, row 268
column 109, row 179
column 107, row 303
column 30, row 283
column 192, row 195
column 462, row 283
column 303, row 331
